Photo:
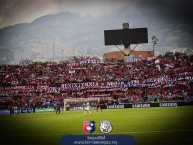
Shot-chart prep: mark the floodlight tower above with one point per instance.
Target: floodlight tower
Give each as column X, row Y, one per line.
column 154, row 42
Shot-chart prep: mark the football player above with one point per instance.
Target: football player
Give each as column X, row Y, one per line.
column 98, row 105
column 86, row 107
column 58, row 109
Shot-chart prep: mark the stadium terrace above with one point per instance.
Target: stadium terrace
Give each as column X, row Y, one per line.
column 163, row 78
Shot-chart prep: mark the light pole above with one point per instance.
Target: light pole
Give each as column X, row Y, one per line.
column 53, row 50
column 154, row 42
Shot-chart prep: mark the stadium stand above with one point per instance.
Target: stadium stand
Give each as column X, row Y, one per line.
column 153, row 79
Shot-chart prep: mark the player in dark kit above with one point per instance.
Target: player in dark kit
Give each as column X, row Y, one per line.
column 98, row 106
column 58, row 109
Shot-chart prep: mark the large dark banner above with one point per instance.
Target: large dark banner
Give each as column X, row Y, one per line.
column 126, row 36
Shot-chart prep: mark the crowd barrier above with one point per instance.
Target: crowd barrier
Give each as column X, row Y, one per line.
column 115, row 106
column 23, row 110
column 139, row 105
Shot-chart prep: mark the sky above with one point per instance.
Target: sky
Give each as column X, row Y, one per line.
column 22, row 11
column 170, row 20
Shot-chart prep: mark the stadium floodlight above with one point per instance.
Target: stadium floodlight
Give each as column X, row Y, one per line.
column 154, row 42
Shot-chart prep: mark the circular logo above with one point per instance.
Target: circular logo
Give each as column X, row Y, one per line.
column 105, row 126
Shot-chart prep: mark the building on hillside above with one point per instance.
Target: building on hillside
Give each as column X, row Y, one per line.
column 118, row 55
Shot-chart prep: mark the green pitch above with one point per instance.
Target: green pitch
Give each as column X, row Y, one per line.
column 149, row 126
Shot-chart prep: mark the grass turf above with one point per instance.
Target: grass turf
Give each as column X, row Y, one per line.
column 149, row 126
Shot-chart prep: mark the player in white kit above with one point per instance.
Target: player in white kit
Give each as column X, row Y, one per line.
column 86, row 107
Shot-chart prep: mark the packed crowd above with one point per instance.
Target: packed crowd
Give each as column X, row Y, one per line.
column 163, row 78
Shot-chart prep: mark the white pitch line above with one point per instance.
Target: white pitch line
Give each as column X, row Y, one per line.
column 155, row 131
